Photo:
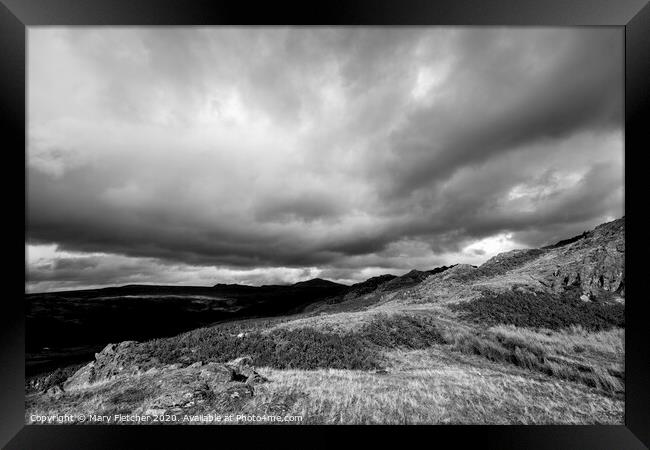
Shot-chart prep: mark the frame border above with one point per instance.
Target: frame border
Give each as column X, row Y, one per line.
column 631, row 15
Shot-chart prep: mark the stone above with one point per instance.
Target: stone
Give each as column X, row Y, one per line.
column 242, row 367
column 55, row 391
column 233, row 397
column 81, row 378
column 215, row 372
column 594, row 264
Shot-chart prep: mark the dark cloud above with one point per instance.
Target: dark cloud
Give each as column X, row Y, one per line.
column 501, row 101
column 270, row 154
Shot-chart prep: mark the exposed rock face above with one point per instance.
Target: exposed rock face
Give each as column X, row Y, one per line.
column 81, row 378
column 596, row 262
column 592, row 263
column 164, row 389
column 186, row 388
column 125, row 359
column 114, row 360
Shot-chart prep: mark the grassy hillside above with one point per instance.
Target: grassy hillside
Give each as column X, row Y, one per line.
column 501, row 344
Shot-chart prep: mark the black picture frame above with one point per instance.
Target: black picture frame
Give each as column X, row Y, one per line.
column 632, row 15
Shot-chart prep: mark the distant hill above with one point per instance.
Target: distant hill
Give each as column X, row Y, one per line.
column 85, row 320
column 318, row 282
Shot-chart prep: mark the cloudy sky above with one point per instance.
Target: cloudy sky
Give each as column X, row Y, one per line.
column 272, row 155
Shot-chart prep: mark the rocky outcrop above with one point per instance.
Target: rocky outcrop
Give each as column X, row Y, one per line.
column 591, row 265
column 127, row 359
column 596, row 263
column 149, row 387
column 593, row 262
column 242, row 369
column 113, row 361
column 178, row 391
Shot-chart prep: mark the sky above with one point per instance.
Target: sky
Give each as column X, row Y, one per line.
column 196, row 156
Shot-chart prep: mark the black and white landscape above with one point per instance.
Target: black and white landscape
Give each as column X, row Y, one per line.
column 325, row 225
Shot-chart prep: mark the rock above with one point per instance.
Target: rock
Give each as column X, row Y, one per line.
column 243, row 370
column 196, row 364
column 115, row 360
column 256, row 378
column 591, row 263
column 108, row 350
column 233, row 397
column 215, row 372
column 81, row 378
column 242, row 367
column 595, row 263
column 55, row 391
column 176, row 391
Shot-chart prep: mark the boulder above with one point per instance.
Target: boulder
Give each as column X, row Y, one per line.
column 243, row 370
column 216, row 373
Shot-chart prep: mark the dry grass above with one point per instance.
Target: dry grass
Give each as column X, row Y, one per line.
column 435, row 387
column 430, row 386
column 575, row 339
column 594, row 359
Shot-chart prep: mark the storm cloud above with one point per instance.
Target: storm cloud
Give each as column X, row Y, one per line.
column 269, row 155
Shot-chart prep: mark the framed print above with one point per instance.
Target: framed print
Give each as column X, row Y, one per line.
column 357, row 216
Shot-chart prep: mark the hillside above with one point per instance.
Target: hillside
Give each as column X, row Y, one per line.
column 532, row 336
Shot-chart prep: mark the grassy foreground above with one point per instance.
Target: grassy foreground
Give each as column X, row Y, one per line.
column 402, row 368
